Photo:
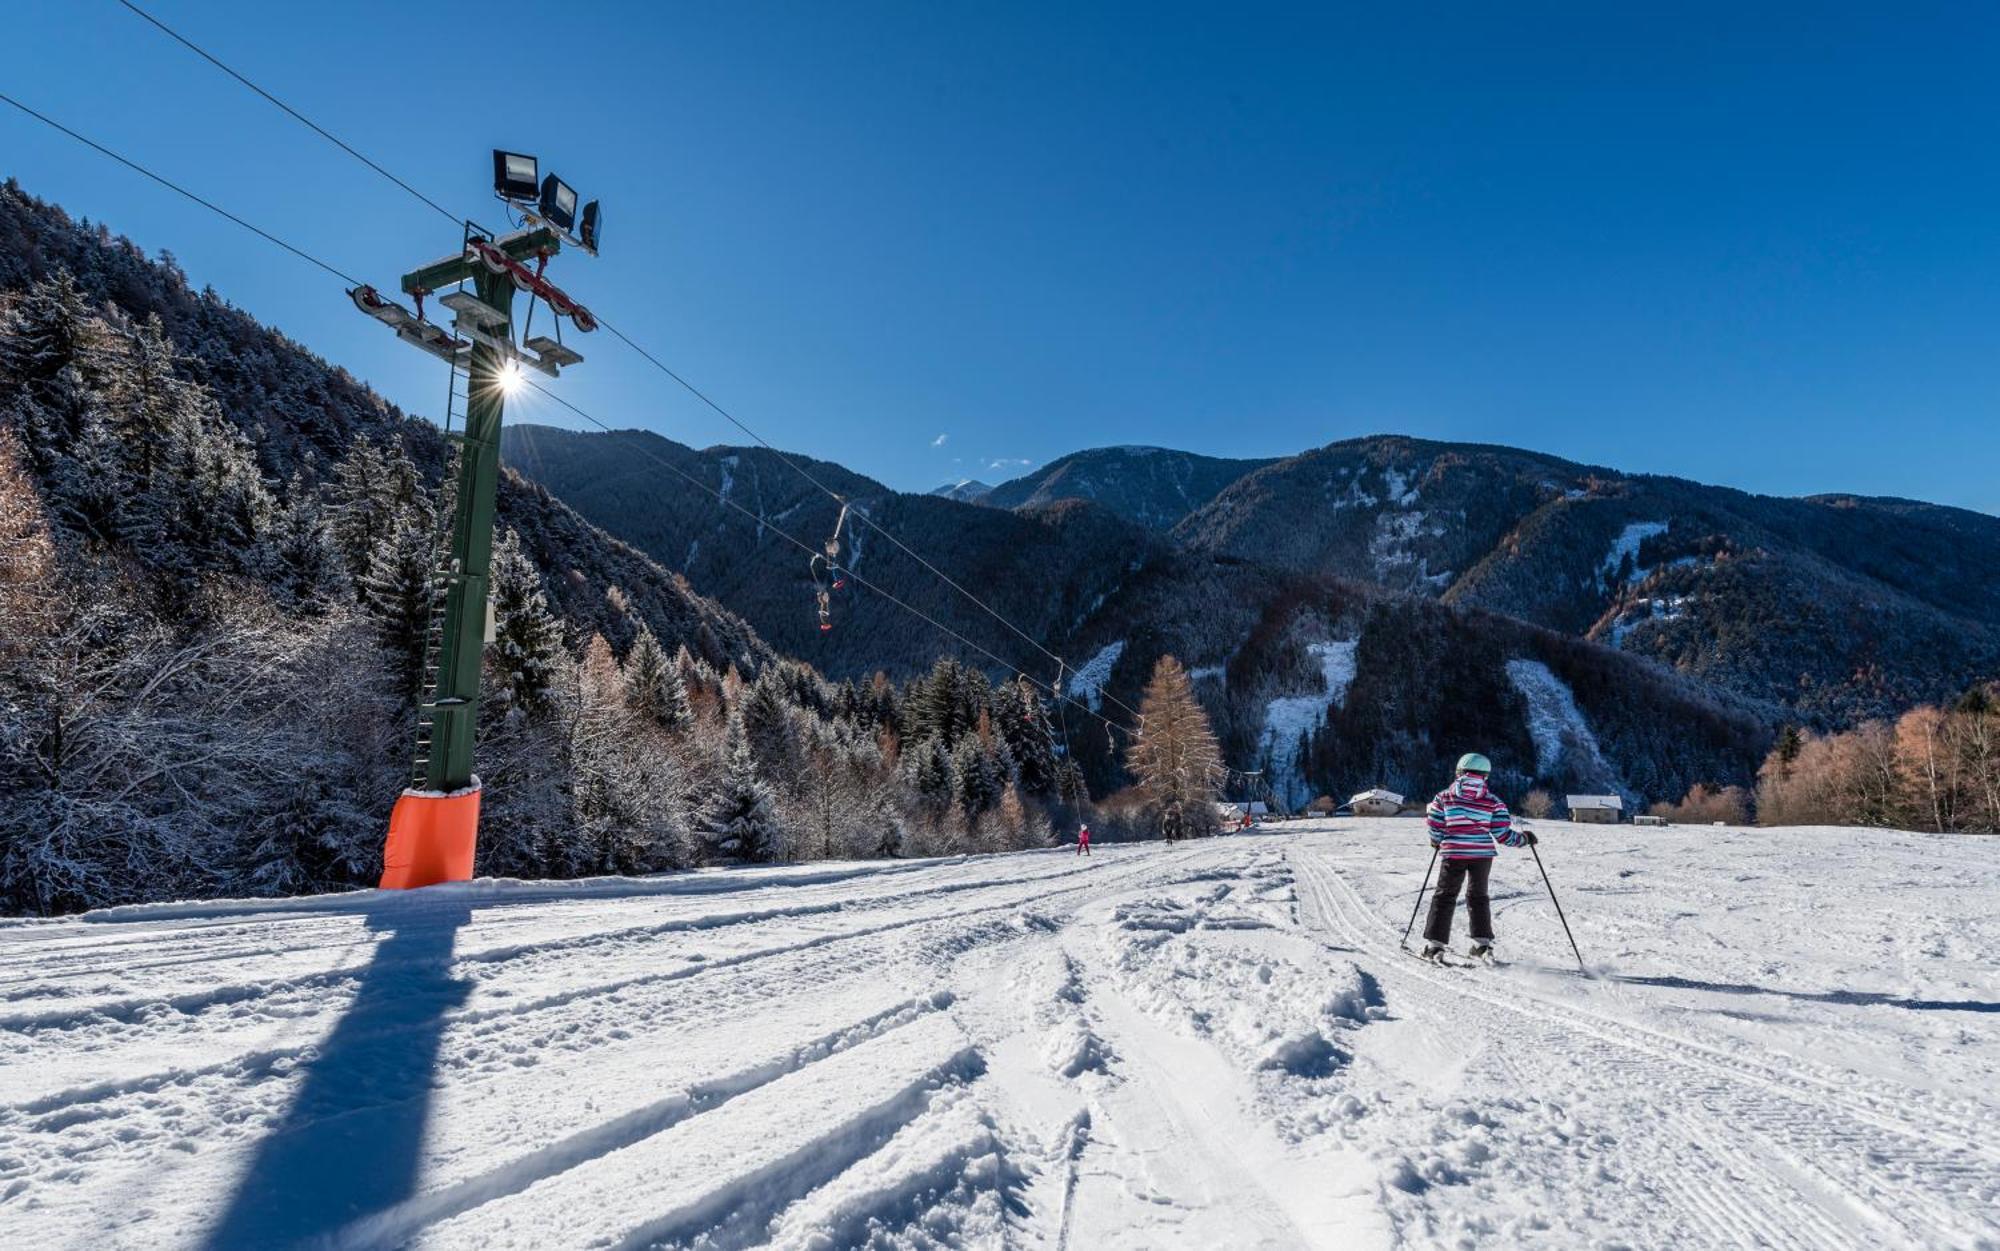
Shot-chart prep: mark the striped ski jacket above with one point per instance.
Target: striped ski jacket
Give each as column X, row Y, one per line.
column 1468, row 821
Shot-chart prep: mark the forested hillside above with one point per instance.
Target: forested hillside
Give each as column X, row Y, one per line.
column 218, row 564
column 1330, row 687
column 1045, row 569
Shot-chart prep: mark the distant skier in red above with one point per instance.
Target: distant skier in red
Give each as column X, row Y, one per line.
column 1083, row 841
column 1468, row 824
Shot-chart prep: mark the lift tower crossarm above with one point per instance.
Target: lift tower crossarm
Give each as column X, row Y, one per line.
column 451, row 270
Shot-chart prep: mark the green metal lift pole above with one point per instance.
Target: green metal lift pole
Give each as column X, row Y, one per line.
column 434, row 828
column 454, row 706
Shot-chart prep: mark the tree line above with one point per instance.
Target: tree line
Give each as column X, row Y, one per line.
column 1933, row 768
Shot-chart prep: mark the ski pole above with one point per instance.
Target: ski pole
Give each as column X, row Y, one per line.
column 1559, row 908
column 1416, row 907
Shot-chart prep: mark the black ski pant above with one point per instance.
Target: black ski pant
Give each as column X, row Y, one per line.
column 1472, row 875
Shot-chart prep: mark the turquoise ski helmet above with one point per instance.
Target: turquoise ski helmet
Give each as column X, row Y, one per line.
column 1473, row 762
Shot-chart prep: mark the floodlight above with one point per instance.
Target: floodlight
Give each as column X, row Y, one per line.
column 516, row 176
column 592, row 222
column 558, row 203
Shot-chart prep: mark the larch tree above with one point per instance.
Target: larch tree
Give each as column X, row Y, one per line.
column 1175, row 756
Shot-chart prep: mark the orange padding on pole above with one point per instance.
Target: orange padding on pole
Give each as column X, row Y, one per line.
column 431, row 838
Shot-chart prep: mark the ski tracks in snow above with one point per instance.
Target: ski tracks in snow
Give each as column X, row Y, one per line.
column 1205, row 1046
column 1720, row 1149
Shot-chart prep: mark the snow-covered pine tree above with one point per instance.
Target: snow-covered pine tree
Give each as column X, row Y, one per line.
column 527, row 644
column 975, row 776
column 653, row 685
column 48, row 331
column 295, row 848
column 1022, row 723
column 1071, row 789
column 767, row 714
column 204, row 503
column 44, row 352
column 371, row 488
column 399, row 592
column 87, row 488
column 940, row 704
column 1174, row 756
column 144, row 395
column 298, row 559
column 928, row 768
column 740, row 821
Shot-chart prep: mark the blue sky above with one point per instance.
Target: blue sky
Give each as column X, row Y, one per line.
column 932, row 241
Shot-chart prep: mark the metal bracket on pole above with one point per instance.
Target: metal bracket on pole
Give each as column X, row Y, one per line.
column 472, row 310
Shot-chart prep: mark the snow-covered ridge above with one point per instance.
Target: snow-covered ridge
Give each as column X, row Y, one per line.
column 1627, row 544
column 1088, row 681
column 1557, row 726
column 1389, row 548
column 1656, row 609
column 1401, row 490
column 1289, row 716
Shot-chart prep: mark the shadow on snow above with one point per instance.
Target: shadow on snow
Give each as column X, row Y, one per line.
column 348, row 1145
column 1859, row 997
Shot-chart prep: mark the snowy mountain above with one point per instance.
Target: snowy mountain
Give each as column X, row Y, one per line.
column 1209, row 1045
column 1112, row 598
column 969, row 491
column 1153, row 486
column 1827, row 608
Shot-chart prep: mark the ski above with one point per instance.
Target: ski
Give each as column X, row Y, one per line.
column 1453, row 960
column 1449, row 961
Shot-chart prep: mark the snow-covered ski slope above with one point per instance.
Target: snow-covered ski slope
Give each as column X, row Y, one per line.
column 1792, row 1043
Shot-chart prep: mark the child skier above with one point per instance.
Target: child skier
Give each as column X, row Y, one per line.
column 1468, row 823
column 1083, row 841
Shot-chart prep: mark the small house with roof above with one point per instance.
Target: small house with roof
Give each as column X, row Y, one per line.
column 1596, row 809
column 1376, row 803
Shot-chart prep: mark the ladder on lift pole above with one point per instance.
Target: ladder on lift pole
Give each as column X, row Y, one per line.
column 441, row 574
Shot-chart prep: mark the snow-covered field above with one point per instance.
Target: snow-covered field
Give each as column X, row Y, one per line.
column 1791, row 1042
